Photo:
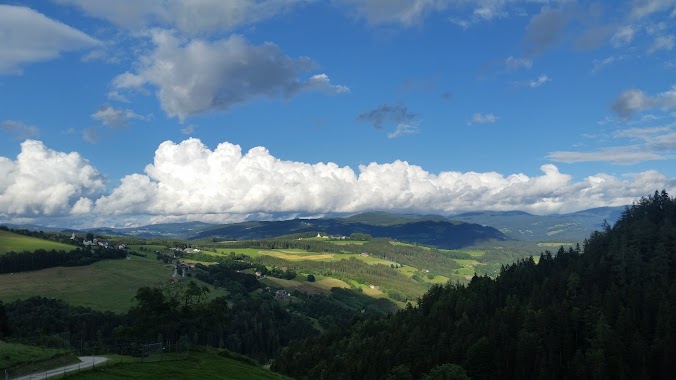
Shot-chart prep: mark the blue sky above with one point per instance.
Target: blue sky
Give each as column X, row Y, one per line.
column 133, row 112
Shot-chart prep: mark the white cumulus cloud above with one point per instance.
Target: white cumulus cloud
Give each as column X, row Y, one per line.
column 29, row 36
column 42, row 181
column 190, row 181
column 202, row 76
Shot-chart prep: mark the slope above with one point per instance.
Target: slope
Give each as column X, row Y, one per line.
column 441, row 234
column 605, row 313
column 10, row 241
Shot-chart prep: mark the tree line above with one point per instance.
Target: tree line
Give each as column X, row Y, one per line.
column 12, row 262
column 604, row 311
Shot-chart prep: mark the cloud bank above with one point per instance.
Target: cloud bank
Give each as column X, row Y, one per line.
column 189, row 181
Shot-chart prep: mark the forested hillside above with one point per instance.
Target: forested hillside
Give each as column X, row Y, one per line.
column 607, row 310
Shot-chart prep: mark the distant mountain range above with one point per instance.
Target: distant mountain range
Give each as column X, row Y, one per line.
column 444, row 232
column 520, row 225
column 438, row 232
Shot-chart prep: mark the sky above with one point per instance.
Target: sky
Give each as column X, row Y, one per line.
column 131, row 112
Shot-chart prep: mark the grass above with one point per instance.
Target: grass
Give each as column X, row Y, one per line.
column 465, row 271
column 347, row 242
column 198, row 365
column 13, row 354
column 368, row 259
column 251, row 252
column 18, row 243
column 329, row 282
column 556, row 245
column 299, row 255
column 437, row 280
column 104, row 285
column 375, row 293
column 407, row 270
column 321, row 285
column 474, row 252
column 464, row 262
column 149, row 249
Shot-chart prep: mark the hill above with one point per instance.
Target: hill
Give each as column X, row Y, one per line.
column 381, row 218
column 604, row 312
column 437, row 233
column 163, row 230
column 572, row 227
column 104, row 285
column 520, row 225
column 10, row 241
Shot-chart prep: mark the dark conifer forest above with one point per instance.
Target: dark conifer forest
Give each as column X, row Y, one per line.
column 606, row 310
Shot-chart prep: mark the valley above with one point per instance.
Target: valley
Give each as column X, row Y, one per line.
column 274, row 290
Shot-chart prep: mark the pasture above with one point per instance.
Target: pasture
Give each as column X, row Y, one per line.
column 104, row 285
column 301, row 255
column 321, row 285
column 347, row 242
column 18, row 243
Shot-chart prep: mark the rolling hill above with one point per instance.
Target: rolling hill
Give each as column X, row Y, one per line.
column 437, row 233
column 10, row 241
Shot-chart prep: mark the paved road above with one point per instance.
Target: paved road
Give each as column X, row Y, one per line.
column 85, row 362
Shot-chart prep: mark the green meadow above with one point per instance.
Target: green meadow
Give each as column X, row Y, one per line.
column 198, row 365
column 14, row 354
column 18, row 243
column 104, row 285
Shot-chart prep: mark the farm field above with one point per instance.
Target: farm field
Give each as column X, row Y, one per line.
column 18, row 243
column 104, row 285
column 299, row 255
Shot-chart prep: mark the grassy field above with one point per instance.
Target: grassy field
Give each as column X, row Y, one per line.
column 555, row 245
column 18, row 243
column 13, row 354
column 104, row 285
column 346, row 242
column 322, row 285
column 198, row 365
column 299, row 255
column 407, row 270
column 474, row 252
